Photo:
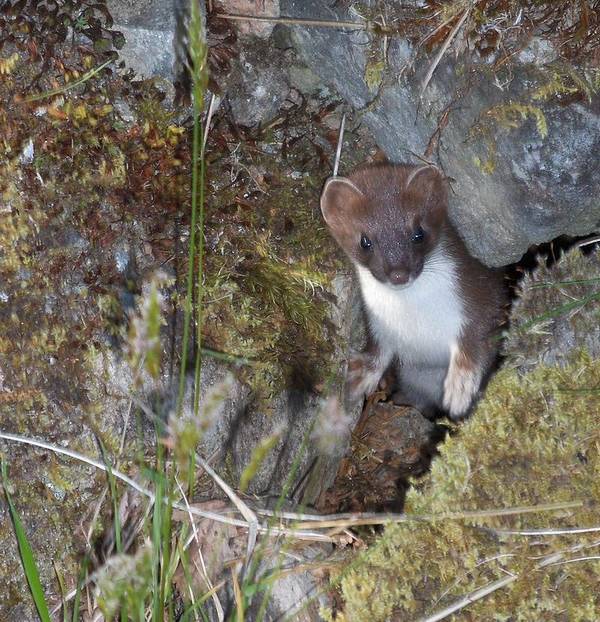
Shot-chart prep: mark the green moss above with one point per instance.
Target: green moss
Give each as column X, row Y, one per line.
column 541, row 446
column 557, row 303
column 268, row 274
column 533, row 440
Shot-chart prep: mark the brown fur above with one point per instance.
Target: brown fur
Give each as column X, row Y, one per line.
column 388, row 204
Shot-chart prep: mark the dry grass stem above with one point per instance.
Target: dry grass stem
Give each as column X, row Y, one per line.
column 237, row 592
column 349, row 520
column 438, row 57
column 577, row 559
column 204, row 572
column 221, row 518
column 550, row 560
column 244, row 510
column 212, row 107
column 545, row 532
column 457, row 581
column 470, row 598
column 296, row 21
column 338, row 151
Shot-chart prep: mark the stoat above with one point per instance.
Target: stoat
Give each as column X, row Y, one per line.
column 433, row 311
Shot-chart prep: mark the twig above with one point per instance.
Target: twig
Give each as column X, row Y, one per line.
column 338, row 151
column 211, row 110
column 442, row 50
column 215, row 597
column 244, row 510
column 274, row 531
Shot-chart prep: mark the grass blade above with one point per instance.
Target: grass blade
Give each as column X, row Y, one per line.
column 115, row 501
column 63, row 591
column 80, row 582
column 27, row 559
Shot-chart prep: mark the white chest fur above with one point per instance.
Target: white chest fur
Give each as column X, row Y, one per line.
column 418, row 323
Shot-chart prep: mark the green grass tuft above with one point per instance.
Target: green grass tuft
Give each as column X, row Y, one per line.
column 27, row 558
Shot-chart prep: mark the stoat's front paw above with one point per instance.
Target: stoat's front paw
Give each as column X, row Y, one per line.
column 362, row 377
column 460, row 386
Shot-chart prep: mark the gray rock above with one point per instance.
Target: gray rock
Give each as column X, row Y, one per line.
column 154, row 14
column 149, row 28
column 233, row 423
column 538, row 187
column 138, row 41
column 296, row 595
column 258, row 85
column 241, row 424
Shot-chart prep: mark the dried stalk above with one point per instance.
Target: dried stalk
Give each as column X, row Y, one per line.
column 215, row 597
column 550, row 560
column 297, row 21
column 220, row 518
column 442, row 50
column 338, row 151
column 244, row 510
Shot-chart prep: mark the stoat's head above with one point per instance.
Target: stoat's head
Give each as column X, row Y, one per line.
column 387, row 218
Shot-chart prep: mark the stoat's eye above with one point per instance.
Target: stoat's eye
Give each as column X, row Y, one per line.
column 365, row 242
column 418, row 235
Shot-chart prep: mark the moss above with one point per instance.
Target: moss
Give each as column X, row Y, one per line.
column 555, row 305
column 533, row 440
column 96, row 183
column 269, row 263
column 70, row 181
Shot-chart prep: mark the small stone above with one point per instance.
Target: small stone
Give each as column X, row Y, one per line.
column 252, row 8
column 26, row 156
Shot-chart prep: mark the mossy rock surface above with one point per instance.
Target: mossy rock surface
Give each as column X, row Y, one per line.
column 94, row 196
column 533, row 441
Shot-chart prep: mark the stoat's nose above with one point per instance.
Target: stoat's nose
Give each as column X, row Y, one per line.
column 399, row 276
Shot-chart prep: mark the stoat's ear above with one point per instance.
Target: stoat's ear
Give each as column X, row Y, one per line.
column 339, row 199
column 428, row 182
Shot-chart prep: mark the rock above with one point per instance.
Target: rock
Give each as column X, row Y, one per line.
column 149, row 28
column 258, row 84
column 257, row 8
column 296, row 595
column 135, row 51
column 234, row 424
column 513, row 184
column 243, row 424
column 151, row 14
